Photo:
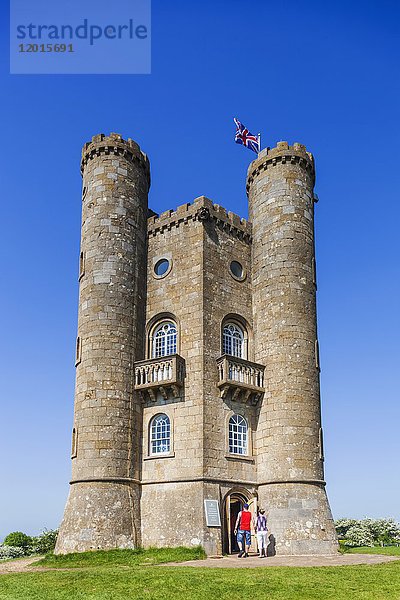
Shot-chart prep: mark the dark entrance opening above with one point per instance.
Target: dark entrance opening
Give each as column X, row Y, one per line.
column 235, row 507
column 234, row 504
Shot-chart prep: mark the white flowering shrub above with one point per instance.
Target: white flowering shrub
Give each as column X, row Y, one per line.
column 45, row 542
column 384, row 531
column 368, row 532
column 10, row 552
column 343, row 525
column 25, row 545
column 359, row 535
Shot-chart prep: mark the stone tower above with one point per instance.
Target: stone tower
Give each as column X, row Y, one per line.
column 197, row 385
column 289, row 436
column 103, row 507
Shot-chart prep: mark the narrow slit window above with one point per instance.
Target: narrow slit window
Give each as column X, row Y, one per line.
column 78, row 354
column 74, row 445
column 317, row 355
column 321, row 444
column 81, row 265
column 314, row 271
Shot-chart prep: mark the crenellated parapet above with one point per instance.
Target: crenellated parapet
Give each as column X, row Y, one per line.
column 114, row 144
column 281, row 154
column 202, row 209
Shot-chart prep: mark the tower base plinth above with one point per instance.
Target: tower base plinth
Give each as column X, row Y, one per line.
column 299, row 518
column 99, row 516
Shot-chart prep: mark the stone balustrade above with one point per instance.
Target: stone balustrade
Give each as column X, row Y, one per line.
column 240, row 378
column 160, row 375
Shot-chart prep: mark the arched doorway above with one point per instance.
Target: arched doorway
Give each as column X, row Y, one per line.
column 233, row 505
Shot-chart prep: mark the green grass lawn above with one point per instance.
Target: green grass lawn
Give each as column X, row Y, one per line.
column 122, row 558
column 391, row 550
column 126, row 575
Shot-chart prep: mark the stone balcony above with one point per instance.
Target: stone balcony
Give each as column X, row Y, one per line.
column 243, row 380
column 160, row 375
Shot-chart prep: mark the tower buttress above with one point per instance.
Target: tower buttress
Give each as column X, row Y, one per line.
column 289, row 437
column 103, row 507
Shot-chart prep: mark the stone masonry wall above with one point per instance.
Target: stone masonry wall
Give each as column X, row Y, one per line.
column 201, row 239
column 107, row 420
column 225, row 298
column 281, row 209
column 171, row 502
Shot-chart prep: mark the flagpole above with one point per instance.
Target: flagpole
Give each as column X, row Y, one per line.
column 259, row 141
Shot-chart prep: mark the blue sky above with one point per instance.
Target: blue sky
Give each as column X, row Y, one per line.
column 324, row 74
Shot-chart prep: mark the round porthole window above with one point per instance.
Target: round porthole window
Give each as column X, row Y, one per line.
column 237, row 270
column 162, row 267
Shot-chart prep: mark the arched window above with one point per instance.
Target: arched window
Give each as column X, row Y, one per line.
column 163, row 342
column 160, row 435
column 233, row 340
column 238, row 435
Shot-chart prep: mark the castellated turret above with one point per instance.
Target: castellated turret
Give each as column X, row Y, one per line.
column 289, row 436
column 103, row 508
column 197, row 370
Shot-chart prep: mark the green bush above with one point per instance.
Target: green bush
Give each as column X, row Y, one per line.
column 45, row 542
column 19, row 540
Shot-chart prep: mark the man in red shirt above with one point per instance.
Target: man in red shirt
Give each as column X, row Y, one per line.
column 242, row 530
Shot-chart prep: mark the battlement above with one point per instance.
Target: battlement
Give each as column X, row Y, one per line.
column 202, row 209
column 282, row 153
column 114, row 144
column 282, row 147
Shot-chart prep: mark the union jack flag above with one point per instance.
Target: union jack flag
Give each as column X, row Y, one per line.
column 243, row 136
